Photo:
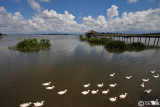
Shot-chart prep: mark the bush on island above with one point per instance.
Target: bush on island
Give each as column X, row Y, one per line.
column 100, row 40
column 82, row 38
column 116, row 45
column 120, row 46
column 32, row 44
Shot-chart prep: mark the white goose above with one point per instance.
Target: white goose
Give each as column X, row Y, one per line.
column 46, row 84
column 148, row 91
column 94, row 91
column 105, row 91
column 86, row 85
column 85, row 92
column 25, row 104
column 128, row 77
column 153, row 71
column 142, row 85
column 122, row 96
column 112, row 85
column 50, row 88
column 100, row 85
column 38, row 104
column 156, row 76
column 113, row 99
column 62, row 92
column 145, row 80
column 111, row 75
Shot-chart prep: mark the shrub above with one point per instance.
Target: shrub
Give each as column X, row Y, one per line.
column 118, row 45
column 100, row 40
column 136, row 46
column 81, row 36
column 32, row 44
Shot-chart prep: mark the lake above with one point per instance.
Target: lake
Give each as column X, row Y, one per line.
column 69, row 64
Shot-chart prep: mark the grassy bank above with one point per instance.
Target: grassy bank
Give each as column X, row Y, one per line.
column 32, row 45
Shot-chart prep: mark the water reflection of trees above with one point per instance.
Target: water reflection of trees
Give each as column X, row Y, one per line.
column 30, row 51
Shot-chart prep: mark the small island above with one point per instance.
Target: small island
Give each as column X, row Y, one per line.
column 32, row 45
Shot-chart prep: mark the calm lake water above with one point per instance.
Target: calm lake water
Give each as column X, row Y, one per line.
column 70, row 64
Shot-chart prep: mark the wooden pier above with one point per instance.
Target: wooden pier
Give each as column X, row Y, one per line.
column 146, row 39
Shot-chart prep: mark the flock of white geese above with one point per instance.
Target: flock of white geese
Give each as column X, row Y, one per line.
column 112, row 99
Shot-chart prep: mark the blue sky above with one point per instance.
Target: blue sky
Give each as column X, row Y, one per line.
column 30, row 11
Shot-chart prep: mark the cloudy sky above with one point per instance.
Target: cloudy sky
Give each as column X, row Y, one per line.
column 79, row 16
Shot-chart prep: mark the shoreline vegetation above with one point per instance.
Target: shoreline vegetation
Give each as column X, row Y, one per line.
column 32, row 45
column 112, row 45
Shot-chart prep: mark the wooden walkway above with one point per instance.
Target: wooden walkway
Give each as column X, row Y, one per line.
column 147, row 39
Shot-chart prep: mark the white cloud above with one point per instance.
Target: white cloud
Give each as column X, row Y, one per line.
column 132, row 1
column 145, row 21
column 13, row 23
column 35, row 5
column 99, row 24
column 111, row 12
column 44, row 0
column 49, row 21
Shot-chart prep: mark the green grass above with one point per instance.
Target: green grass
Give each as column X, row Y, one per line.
column 32, row 45
column 120, row 46
column 94, row 40
column 100, row 40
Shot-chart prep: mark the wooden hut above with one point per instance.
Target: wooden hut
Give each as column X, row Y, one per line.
column 92, row 33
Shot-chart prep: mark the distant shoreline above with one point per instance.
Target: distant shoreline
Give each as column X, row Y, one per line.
column 41, row 34
column 103, row 34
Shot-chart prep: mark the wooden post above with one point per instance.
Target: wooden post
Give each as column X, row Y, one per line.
column 157, row 42
column 145, row 39
column 154, row 41
column 140, row 39
column 133, row 39
column 148, row 40
column 130, row 39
